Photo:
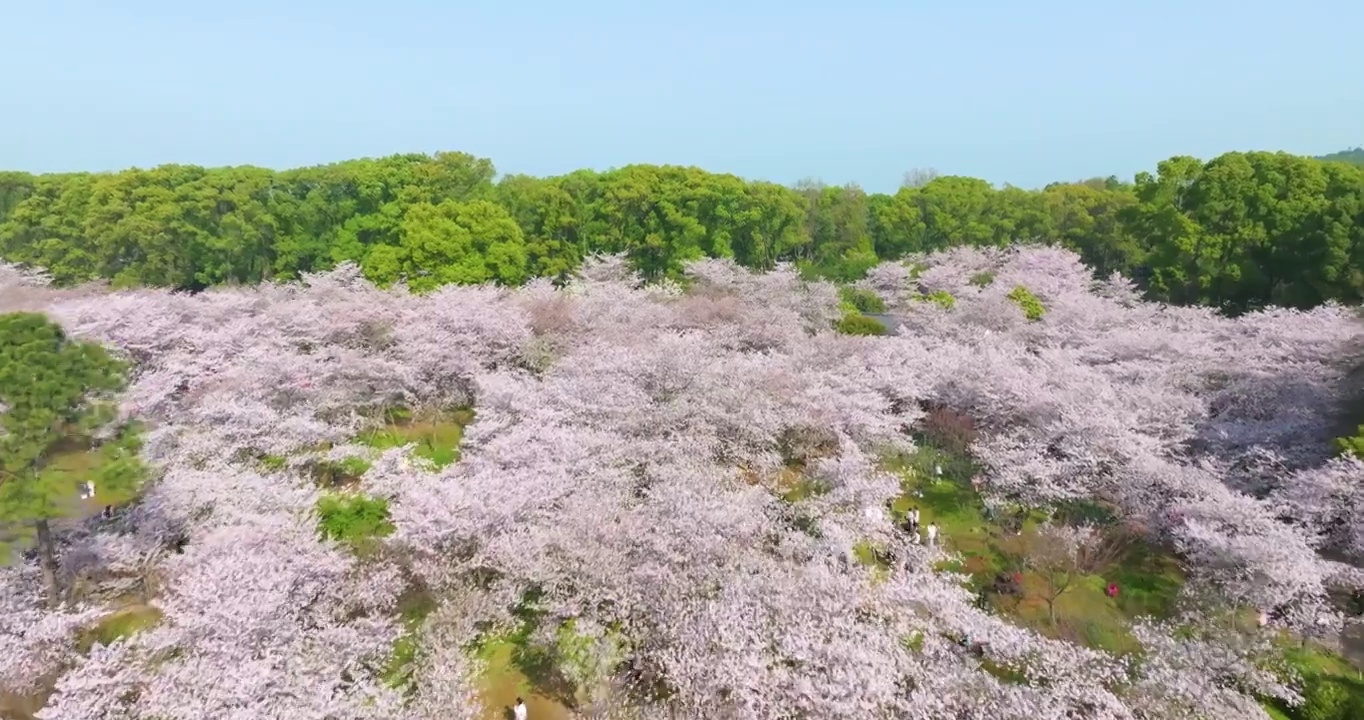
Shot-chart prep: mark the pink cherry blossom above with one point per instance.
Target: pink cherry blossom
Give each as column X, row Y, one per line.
column 632, row 448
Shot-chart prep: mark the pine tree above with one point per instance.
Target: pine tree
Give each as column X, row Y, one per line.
column 55, row 394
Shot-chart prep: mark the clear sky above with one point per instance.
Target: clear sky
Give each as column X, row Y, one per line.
column 1020, row 91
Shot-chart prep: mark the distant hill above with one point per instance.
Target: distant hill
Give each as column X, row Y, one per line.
column 1354, row 157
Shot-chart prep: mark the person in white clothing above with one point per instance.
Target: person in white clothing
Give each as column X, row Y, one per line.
column 932, row 533
column 520, row 709
column 911, row 525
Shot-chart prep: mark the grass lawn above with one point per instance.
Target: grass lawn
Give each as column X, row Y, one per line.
column 437, row 435
column 512, row 668
column 939, row 485
column 504, row 680
column 118, row 624
column 1322, row 671
column 413, row 608
column 70, row 468
column 81, row 465
column 1148, row 579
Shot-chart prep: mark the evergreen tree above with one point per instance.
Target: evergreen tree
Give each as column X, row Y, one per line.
column 55, row 394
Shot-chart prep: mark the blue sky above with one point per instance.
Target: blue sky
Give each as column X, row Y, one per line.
column 849, row 91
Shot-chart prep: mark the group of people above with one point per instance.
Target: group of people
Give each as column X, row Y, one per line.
column 911, row 526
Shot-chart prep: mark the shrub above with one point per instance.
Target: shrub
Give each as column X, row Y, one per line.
column 1032, row 306
column 862, row 300
column 859, row 324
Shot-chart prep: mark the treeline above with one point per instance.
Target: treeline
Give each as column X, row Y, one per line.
column 1237, row 232
column 1354, row 157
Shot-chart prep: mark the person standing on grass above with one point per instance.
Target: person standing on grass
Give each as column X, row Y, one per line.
column 519, row 711
column 914, row 520
column 932, row 533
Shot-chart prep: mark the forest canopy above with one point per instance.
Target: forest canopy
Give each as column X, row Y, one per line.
column 1238, row 232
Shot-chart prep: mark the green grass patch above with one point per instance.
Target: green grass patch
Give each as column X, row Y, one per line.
column 1333, row 689
column 116, row 471
column 869, row 555
column 1085, row 614
column 94, row 465
column 516, row 667
column 1004, row 673
column 1274, row 712
column 274, row 462
column 1032, row 306
column 1149, row 581
column 504, row 680
column 414, row 607
column 1315, row 661
column 803, row 488
column 987, row 542
column 354, row 520
column 941, row 298
column 436, row 436
column 948, row 500
column 982, row 279
column 118, row 624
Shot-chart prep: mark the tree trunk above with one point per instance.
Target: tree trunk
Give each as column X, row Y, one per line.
column 47, row 557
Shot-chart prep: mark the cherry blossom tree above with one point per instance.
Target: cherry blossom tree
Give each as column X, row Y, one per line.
column 670, row 479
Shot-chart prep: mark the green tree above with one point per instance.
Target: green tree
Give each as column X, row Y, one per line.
column 1182, row 258
column 549, row 217
column 1239, row 232
column 954, row 211
column 769, row 226
column 1087, row 218
column 14, row 188
column 897, row 225
column 453, row 242
column 1018, row 215
column 56, row 393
